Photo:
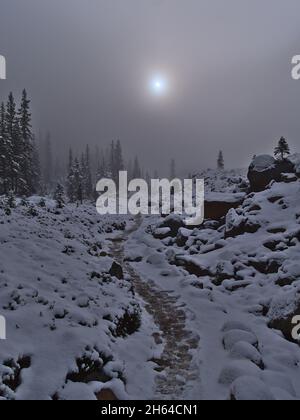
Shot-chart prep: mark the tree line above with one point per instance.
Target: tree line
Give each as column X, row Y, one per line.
column 19, row 159
column 29, row 167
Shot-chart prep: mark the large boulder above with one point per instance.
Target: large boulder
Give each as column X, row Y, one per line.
column 249, row 388
column 238, row 224
column 217, row 205
column 116, row 271
column 183, row 236
column 191, row 265
column 285, row 167
column 284, row 311
column 295, row 159
column 235, row 224
column 265, row 169
column 162, row 233
column 173, row 223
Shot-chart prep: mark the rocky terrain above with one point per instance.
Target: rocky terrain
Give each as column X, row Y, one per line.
column 121, row 308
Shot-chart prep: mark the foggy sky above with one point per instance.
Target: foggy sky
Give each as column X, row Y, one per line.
column 86, row 65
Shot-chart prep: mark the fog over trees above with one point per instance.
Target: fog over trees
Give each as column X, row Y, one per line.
column 30, row 165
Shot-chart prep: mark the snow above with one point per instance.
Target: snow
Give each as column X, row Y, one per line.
column 243, row 350
column 247, row 388
column 295, row 159
column 236, row 369
column 162, row 232
column 235, row 336
column 222, row 182
column 206, row 301
column 229, row 285
column 57, row 303
column 284, row 303
column 233, row 220
column 262, row 163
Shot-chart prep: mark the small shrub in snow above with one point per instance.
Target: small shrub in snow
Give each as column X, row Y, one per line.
column 24, row 202
column 59, row 312
column 42, row 203
column 90, row 368
column 129, row 323
column 11, row 200
column 32, row 211
column 224, row 271
column 95, row 249
column 83, row 301
column 68, row 250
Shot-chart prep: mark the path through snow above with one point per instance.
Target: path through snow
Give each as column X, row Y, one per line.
column 174, row 367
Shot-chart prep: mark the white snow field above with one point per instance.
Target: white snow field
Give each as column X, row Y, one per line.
column 63, row 311
column 200, row 313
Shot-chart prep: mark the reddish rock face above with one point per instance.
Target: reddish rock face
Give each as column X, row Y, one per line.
column 106, row 395
column 215, row 210
column 260, row 176
column 218, row 205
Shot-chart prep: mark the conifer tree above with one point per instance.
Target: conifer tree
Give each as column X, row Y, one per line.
column 78, row 184
column 26, row 152
column 5, row 153
column 130, row 170
column 283, row 149
column 36, row 168
column 70, row 178
column 48, row 161
column 137, row 172
column 19, row 171
column 221, row 163
column 59, row 196
column 13, row 151
column 87, row 175
column 173, row 169
column 112, row 161
column 118, row 161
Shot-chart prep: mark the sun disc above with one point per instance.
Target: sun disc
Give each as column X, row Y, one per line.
column 158, row 85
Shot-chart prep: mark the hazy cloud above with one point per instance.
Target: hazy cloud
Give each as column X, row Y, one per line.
column 86, row 65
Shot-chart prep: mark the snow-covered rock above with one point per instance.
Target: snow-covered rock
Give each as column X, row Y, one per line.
column 245, row 283
column 234, row 370
column 284, row 307
column 235, row 336
column 243, row 350
column 173, row 223
column 162, row 233
column 265, row 168
column 248, row 388
column 234, row 223
column 295, row 159
column 263, row 163
column 218, row 204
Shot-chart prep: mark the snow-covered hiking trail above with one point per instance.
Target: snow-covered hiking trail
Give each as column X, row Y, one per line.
column 212, row 342
column 174, row 366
